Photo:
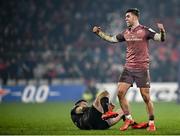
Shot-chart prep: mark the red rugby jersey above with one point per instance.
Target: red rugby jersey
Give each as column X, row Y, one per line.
column 137, row 51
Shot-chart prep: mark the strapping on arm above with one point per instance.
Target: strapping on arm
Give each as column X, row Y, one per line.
column 107, row 37
column 160, row 36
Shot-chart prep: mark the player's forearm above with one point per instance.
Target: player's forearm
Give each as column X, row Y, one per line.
column 107, row 37
column 160, row 36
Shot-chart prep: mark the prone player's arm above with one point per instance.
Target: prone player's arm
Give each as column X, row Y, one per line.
column 113, row 121
column 105, row 36
column 161, row 36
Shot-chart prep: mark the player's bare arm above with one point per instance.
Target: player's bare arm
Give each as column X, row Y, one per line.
column 113, row 121
column 103, row 35
column 161, row 35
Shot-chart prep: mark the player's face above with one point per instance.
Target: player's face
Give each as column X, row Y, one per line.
column 81, row 107
column 129, row 18
column 83, row 104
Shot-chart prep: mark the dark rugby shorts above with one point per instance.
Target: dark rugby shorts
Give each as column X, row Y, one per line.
column 140, row 77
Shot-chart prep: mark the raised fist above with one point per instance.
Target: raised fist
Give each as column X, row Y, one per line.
column 161, row 27
column 96, row 29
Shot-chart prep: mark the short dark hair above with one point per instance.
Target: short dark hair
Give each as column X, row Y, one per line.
column 79, row 101
column 134, row 11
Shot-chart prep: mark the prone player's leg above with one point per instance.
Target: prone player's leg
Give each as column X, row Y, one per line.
column 103, row 105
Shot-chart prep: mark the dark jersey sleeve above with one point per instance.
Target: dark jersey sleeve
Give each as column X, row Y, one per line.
column 120, row 37
column 75, row 117
column 81, row 120
column 150, row 33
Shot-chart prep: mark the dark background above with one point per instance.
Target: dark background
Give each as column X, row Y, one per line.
column 53, row 39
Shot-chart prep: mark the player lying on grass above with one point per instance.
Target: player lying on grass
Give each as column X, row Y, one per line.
column 97, row 116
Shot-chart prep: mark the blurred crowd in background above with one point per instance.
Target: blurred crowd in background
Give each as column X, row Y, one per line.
column 53, row 39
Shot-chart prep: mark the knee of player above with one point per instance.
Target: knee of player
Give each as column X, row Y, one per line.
column 146, row 99
column 103, row 94
column 106, row 93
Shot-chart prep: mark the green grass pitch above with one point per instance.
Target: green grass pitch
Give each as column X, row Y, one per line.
column 54, row 119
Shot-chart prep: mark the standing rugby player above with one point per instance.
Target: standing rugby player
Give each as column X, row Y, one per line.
column 136, row 68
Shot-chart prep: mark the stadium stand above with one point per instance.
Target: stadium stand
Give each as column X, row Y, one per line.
column 52, row 39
